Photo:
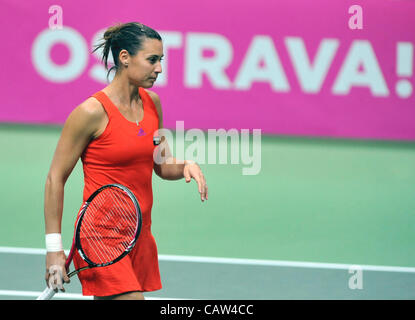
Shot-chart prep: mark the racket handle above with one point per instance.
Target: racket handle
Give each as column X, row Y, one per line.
column 47, row 294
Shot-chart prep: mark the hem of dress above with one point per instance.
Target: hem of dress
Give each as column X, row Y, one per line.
column 91, row 293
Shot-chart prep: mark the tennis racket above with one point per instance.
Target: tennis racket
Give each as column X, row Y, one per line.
column 107, row 228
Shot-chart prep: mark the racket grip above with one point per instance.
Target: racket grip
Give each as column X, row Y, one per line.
column 47, row 294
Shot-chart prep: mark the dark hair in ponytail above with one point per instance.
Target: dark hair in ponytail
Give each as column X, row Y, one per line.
column 128, row 36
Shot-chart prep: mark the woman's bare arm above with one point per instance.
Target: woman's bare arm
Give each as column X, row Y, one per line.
column 172, row 168
column 82, row 125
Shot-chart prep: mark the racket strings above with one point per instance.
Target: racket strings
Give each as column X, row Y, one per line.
column 91, row 237
column 108, row 234
column 130, row 219
column 117, row 209
column 109, row 226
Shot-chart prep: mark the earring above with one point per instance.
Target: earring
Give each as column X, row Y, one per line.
column 126, row 65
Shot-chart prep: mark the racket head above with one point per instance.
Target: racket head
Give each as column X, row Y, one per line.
column 108, row 225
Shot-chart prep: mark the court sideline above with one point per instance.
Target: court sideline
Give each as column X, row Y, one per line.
column 186, row 277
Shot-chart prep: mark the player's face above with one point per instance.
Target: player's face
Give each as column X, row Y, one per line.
column 145, row 66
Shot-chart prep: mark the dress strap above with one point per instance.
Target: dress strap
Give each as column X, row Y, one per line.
column 106, row 103
column 148, row 100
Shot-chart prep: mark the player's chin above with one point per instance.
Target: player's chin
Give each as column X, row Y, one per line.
column 149, row 83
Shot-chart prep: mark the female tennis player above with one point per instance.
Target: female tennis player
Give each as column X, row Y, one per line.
column 112, row 132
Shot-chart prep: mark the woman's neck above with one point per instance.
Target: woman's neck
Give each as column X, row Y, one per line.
column 122, row 92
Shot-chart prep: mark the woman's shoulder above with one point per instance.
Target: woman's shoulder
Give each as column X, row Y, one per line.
column 154, row 96
column 88, row 115
column 91, row 108
column 156, row 100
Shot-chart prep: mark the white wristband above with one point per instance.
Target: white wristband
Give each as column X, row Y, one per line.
column 53, row 242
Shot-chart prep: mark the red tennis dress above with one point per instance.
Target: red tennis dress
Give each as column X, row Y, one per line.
column 123, row 154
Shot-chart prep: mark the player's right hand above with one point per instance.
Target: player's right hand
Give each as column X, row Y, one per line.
column 56, row 271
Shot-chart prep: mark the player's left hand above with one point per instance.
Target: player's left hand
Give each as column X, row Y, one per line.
column 192, row 170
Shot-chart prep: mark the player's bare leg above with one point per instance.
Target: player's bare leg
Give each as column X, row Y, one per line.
column 134, row 295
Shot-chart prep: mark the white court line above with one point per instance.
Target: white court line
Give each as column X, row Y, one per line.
column 72, row 296
column 280, row 263
column 237, row 261
column 33, row 294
